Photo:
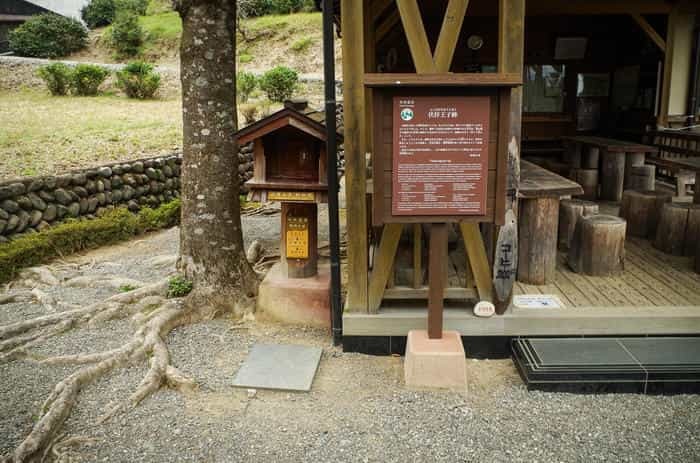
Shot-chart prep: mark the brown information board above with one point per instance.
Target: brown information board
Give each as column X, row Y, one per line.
column 440, row 155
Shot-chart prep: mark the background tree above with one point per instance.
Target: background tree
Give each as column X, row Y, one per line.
column 212, row 254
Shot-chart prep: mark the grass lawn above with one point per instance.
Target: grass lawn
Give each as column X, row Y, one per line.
column 293, row 40
column 41, row 134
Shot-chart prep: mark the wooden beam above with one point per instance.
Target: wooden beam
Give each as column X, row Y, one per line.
column 383, row 262
column 511, row 53
column 378, row 7
column 408, row 293
column 596, row 7
column 443, row 80
column 650, row 31
column 449, row 34
column 478, row 260
column 387, row 25
column 677, row 63
column 415, row 34
column 354, row 144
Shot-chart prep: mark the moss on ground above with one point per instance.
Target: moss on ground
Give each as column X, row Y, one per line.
column 78, row 235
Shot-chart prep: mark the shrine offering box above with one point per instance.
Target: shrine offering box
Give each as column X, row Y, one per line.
column 439, row 154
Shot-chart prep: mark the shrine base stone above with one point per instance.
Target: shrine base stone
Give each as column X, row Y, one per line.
column 298, row 301
column 438, row 363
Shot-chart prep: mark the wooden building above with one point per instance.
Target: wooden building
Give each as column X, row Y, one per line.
column 552, row 69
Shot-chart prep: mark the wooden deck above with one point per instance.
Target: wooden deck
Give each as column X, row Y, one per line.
column 651, row 279
column 657, row 294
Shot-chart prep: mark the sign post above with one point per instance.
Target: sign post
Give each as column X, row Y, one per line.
column 440, row 168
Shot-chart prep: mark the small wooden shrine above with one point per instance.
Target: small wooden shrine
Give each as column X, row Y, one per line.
column 289, row 166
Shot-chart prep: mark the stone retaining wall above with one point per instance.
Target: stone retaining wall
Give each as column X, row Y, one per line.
column 28, row 205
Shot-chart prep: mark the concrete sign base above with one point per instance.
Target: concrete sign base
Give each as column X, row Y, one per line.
column 438, row 363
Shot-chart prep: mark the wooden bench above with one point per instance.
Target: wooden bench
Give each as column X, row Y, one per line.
column 617, row 159
column 684, row 174
column 540, row 193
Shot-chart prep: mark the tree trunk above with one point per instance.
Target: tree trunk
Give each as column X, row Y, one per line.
column 212, row 253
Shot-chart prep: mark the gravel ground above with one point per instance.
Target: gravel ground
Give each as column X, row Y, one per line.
column 358, row 410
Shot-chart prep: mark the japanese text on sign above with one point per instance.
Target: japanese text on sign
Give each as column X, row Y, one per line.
column 440, row 158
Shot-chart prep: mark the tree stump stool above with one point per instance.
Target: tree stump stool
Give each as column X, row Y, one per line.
column 641, row 210
column 633, row 160
column 671, row 232
column 612, row 176
column 570, row 211
column 598, row 246
column 588, row 179
column 537, row 247
column 642, row 178
column 692, row 231
column 591, row 158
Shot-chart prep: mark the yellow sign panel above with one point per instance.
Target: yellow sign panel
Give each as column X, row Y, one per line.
column 297, row 238
column 291, row 196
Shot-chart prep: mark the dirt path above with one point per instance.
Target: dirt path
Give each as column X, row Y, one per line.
column 358, row 410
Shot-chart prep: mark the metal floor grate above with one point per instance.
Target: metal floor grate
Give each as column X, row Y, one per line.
column 638, row 360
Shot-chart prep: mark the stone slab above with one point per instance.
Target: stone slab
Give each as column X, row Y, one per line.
column 298, row 301
column 437, row 363
column 279, row 366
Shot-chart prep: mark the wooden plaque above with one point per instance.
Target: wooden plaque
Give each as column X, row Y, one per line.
column 473, row 188
column 440, row 155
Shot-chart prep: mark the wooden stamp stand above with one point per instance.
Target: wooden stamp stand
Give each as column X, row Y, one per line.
column 290, row 167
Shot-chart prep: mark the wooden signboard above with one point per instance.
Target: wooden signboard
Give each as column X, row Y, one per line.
column 440, row 155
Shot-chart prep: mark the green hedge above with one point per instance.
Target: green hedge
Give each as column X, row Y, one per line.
column 77, row 235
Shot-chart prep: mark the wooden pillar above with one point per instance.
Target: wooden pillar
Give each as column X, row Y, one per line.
column 511, row 52
column 677, row 65
column 299, row 239
column 354, row 143
column 436, row 278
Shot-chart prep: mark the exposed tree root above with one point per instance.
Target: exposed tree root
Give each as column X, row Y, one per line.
column 154, row 317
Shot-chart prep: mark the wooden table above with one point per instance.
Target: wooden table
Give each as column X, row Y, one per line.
column 540, row 192
column 618, row 158
column 691, row 164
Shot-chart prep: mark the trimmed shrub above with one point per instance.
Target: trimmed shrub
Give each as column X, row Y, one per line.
column 87, row 79
column 140, row 7
column 57, row 77
column 245, row 84
column 99, row 13
column 279, row 83
column 48, row 36
column 127, row 34
column 138, row 80
column 78, row 235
